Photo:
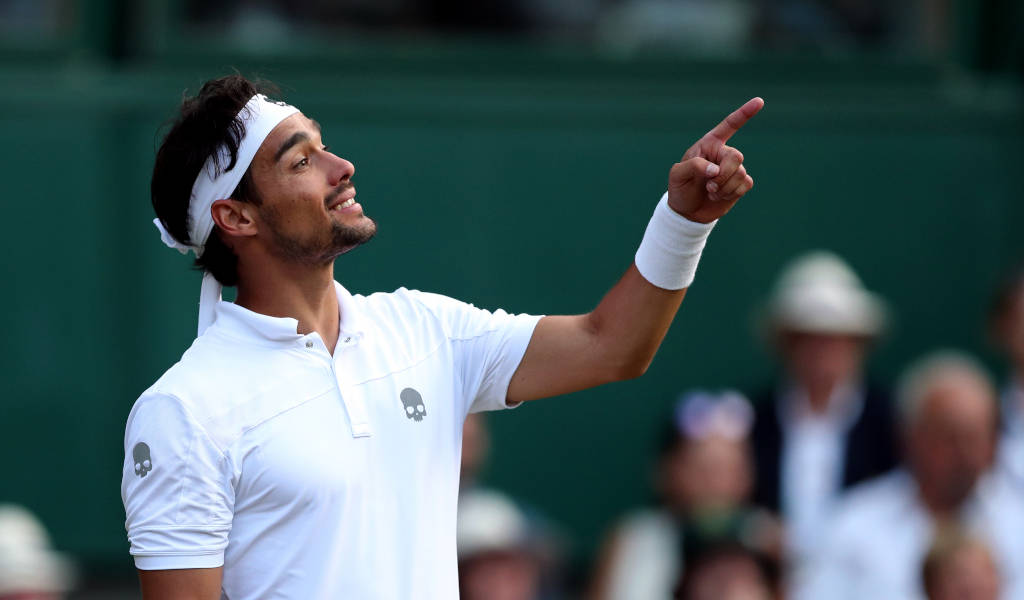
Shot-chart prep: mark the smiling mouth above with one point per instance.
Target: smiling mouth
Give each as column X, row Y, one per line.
column 345, row 204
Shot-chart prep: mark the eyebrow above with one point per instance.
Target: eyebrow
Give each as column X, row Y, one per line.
column 298, row 136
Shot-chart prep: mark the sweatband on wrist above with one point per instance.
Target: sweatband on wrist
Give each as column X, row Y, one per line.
column 671, row 248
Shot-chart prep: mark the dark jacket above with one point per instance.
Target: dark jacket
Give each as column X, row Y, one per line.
column 870, row 448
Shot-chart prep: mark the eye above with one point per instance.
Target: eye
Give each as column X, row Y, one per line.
column 302, row 162
column 326, row 148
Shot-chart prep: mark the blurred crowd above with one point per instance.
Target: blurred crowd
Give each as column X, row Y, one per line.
column 705, row 25
column 823, row 484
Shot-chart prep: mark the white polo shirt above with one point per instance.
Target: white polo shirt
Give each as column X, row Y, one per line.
column 312, row 476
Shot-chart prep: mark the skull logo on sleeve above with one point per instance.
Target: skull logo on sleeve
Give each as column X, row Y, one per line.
column 143, row 462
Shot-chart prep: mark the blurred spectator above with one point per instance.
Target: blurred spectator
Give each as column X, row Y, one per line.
column 724, row 564
column 533, row 540
column 716, row 27
column 879, row 534
column 828, row 23
column 34, row 17
column 29, row 568
column 1007, row 323
column 821, row 428
column 476, row 444
column 703, row 476
column 959, row 567
column 498, row 558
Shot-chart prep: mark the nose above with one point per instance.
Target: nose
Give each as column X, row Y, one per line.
column 340, row 169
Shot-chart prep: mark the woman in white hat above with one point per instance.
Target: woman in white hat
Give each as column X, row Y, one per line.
column 821, row 428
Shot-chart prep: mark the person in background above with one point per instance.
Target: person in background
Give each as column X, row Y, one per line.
column 547, row 540
column 476, row 446
column 821, row 427
column 499, row 557
column 703, row 477
column 29, row 568
column 959, row 567
column 1007, row 326
column 880, row 532
column 723, row 564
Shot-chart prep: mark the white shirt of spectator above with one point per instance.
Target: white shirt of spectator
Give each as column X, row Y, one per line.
column 879, row 534
column 812, row 461
column 303, row 473
column 648, row 558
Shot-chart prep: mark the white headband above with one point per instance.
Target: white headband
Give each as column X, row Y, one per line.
column 260, row 116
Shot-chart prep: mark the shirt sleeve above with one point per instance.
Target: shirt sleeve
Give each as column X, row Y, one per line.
column 487, row 348
column 176, row 486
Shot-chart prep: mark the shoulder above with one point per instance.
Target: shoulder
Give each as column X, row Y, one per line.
column 426, row 312
column 763, row 402
column 226, row 386
column 158, row 415
column 404, row 303
column 766, row 422
column 878, row 401
column 212, row 367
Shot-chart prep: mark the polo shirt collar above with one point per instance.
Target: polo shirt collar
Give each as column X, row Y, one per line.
column 239, row 321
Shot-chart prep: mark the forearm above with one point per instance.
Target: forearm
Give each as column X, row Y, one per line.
column 181, row 584
column 616, row 341
column 631, row 321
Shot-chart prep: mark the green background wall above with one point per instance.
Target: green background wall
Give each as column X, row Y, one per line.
column 510, row 179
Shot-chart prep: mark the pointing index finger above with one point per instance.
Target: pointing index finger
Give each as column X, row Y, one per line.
column 738, row 118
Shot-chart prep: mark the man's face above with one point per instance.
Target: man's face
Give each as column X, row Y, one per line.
column 308, row 212
column 712, row 473
column 815, row 359
column 952, row 441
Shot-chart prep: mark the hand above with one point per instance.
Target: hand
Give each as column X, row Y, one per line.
column 711, row 177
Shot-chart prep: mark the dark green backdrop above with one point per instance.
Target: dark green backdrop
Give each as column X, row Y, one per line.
column 510, row 180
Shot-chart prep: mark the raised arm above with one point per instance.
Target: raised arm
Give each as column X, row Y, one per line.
column 619, row 338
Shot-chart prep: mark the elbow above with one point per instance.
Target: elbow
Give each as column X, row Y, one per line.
column 632, row 369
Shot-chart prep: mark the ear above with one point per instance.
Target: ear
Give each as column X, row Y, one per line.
column 234, row 218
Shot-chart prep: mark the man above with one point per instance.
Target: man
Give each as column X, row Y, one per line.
column 703, row 475
column 500, row 555
column 880, row 533
column 821, row 428
column 307, row 444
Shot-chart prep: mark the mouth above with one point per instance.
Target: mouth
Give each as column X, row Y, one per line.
column 340, row 206
column 345, row 199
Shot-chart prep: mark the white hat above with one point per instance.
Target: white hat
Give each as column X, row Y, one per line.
column 489, row 522
column 819, row 293
column 27, row 563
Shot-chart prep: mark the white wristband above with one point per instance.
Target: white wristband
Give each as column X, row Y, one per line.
column 670, row 250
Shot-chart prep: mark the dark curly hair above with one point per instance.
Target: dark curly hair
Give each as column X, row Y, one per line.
column 205, row 122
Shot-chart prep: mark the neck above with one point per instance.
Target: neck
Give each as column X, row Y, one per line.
column 819, row 393
column 939, row 506
column 305, row 293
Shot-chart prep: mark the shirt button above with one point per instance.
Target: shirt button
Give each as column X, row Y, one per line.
column 309, row 343
column 348, row 339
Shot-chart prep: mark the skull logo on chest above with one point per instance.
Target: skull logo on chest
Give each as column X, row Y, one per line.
column 413, row 404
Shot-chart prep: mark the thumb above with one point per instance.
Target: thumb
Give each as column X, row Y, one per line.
column 695, row 168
